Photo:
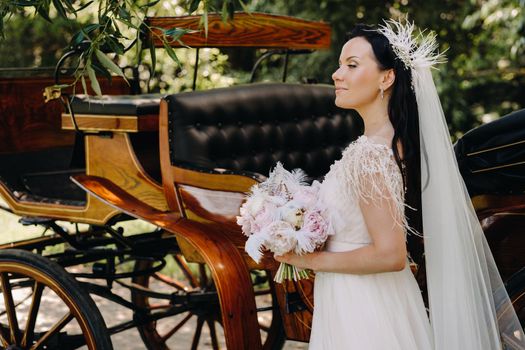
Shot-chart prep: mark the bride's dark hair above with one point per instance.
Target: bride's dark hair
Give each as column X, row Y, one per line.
column 402, row 110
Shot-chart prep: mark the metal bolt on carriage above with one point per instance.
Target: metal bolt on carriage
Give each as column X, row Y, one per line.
column 183, row 163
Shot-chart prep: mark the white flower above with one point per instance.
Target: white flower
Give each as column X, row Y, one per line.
column 292, row 213
column 280, row 237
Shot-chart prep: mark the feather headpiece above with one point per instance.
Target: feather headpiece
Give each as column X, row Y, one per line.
column 415, row 51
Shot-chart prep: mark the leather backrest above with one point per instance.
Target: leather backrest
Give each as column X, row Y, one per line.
column 251, row 127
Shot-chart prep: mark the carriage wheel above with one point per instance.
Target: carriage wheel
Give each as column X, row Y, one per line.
column 199, row 326
column 43, row 307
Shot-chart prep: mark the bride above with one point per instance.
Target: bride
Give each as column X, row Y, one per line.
column 401, row 178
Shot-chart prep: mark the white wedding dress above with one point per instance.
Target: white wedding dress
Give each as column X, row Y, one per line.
column 380, row 311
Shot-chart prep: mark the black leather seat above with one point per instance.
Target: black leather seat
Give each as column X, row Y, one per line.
column 491, row 157
column 248, row 128
column 138, row 105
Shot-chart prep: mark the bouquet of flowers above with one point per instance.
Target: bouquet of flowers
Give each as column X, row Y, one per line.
column 282, row 214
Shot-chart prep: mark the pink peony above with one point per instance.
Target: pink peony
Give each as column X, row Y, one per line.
column 314, row 222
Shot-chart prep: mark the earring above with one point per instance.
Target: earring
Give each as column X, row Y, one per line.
column 382, row 93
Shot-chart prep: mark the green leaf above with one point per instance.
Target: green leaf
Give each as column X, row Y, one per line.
column 244, row 7
column 69, row 6
column 82, row 33
column 176, row 33
column 194, row 5
column 114, row 45
column 91, row 27
column 150, row 4
column 171, row 53
column 224, row 11
column 109, row 64
column 84, row 6
column 100, row 69
column 127, row 23
column 124, row 13
column 205, row 19
column 43, row 11
column 153, row 55
column 84, row 87
column 93, row 78
column 26, row 3
column 60, row 8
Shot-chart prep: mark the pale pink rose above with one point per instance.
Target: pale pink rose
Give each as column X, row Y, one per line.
column 314, row 222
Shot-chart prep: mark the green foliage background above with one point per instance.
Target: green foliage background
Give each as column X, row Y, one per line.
column 483, row 79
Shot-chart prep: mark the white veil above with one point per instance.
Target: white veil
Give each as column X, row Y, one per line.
column 469, row 306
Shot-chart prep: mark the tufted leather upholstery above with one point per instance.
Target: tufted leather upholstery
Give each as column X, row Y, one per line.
column 251, row 127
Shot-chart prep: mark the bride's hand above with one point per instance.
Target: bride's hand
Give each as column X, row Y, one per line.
column 304, row 261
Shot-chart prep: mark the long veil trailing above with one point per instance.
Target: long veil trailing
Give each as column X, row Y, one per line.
column 469, row 306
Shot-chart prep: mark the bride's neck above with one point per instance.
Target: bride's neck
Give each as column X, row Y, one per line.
column 377, row 122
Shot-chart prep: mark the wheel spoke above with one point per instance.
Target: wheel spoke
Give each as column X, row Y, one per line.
column 4, row 337
column 10, row 308
column 264, row 328
column 56, row 328
column 197, row 335
column 174, row 330
column 203, row 276
column 33, row 312
column 213, row 334
column 159, row 306
column 23, row 300
column 170, row 282
column 186, row 270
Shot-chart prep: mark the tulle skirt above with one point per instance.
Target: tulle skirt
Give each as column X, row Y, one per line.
column 383, row 311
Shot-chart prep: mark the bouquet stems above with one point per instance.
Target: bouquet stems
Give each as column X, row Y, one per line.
column 289, row 272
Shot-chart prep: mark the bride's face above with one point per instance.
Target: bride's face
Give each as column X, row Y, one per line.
column 357, row 80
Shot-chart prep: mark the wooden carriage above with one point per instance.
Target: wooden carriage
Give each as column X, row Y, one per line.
column 183, row 163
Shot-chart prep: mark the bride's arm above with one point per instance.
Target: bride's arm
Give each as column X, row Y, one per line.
column 386, row 253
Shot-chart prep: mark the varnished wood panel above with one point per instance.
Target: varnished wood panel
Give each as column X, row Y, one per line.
column 120, row 123
column 113, row 158
column 259, row 30
column 297, row 324
column 29, row 124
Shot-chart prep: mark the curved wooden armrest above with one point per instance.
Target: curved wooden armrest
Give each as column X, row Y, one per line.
column 230, row 274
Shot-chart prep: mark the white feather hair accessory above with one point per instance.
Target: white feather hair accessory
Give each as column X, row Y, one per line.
column 416, row 51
